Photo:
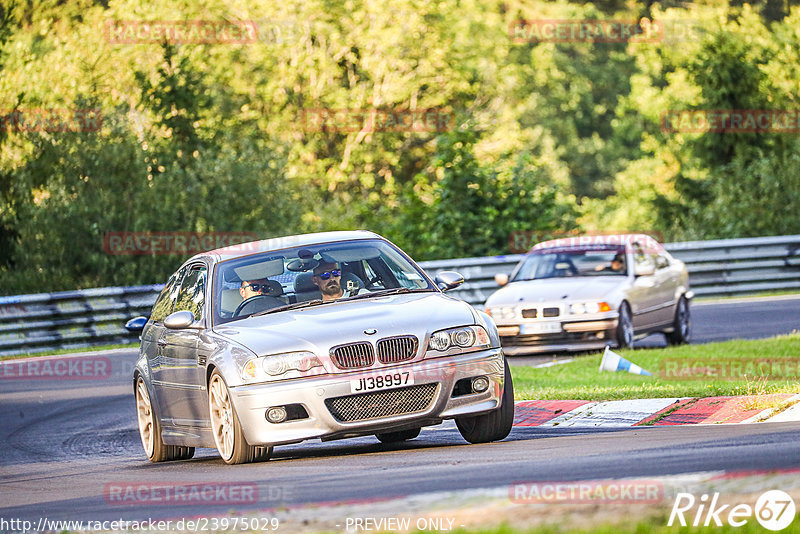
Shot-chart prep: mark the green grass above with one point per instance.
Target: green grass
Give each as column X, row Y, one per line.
column 775, row 293
column 132, row 346
column 580, row 379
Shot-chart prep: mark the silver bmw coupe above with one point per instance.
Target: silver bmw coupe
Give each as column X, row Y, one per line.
column 328, row 336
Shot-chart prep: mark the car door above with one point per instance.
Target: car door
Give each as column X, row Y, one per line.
column 645, row 300
column 666, row 281
column 183, row 370
column 154, row 333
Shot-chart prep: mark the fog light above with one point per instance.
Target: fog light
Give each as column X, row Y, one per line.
column 480, row 384
column 276, row 414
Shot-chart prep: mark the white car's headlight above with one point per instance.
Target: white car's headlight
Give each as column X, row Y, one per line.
column 466, row 337
column 278, row 365
column 502, row 313
column 579, row 308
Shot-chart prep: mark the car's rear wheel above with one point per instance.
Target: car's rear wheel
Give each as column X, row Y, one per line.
column 150, row 430
column 682, row 324
column 624, row 327
column 495, row 425
column 227, row 430
column 401, row 435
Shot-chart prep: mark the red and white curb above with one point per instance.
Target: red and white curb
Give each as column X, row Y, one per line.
column 779, row 407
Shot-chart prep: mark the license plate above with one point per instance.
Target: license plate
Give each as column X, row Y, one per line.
column 552, row 327
column 381, row 381
column 508, row 330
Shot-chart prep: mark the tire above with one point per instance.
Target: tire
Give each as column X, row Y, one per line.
column 682, row 324
column 495, row 425
column 396, row 437
column 150, row 430
column 624, row 327
column 228, row 436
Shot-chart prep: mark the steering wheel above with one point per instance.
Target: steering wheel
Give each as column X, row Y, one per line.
column 267, row 301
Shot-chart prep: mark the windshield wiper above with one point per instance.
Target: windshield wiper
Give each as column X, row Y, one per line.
column 385, row 292
column 294, row 306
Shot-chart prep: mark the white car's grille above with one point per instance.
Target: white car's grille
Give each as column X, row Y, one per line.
column 353, row 355
column 378, row 404
column 397, row 349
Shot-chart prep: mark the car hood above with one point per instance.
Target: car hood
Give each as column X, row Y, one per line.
column 318, row 328
column 556, row 290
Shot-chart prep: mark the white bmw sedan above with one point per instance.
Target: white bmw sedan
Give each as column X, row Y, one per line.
column 584, row 293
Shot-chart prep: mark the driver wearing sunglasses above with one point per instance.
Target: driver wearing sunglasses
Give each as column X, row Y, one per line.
column 253, row 288
column 328, row 278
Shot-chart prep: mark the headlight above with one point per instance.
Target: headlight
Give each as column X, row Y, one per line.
column 502, row 313
column 466, row 337
column 578, row 308
column 275, row 365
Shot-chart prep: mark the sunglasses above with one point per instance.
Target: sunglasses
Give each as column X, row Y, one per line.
column 258, row 287
column 327, row 274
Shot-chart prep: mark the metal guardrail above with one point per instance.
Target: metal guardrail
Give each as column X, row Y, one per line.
column 71, row 319
column 80, row 319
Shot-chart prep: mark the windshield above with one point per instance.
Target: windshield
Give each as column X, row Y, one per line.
column 273, row 282
column 571, row 262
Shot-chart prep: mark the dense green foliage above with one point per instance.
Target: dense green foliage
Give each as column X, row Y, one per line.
column 543, row 136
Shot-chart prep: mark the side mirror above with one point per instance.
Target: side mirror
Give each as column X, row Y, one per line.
column 648, row 269
column 136, row 324
column 448, row 280
column 180, row 320
column 501, row 279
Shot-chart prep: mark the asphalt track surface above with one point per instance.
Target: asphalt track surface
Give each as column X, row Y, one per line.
column 65, row 441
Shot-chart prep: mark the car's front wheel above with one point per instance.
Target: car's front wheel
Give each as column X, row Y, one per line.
column 227, row 429
column 495, row 425
column 624, row 327
column 682, row 324
column 396, row 437
column 150, row 430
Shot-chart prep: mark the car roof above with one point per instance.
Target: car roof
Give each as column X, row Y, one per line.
column 277, row 243
column 647, row 242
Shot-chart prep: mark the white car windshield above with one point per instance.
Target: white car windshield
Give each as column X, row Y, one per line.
column 572, row 262
column 292, row 278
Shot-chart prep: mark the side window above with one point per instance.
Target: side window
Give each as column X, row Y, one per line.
column 192, row 293
column 639, row 257
column 166, row 299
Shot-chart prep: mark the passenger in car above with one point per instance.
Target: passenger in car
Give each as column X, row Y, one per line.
column 253, row 288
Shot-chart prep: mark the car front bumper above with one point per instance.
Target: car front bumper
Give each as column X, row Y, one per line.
column 590, row 334
column 438, row 375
